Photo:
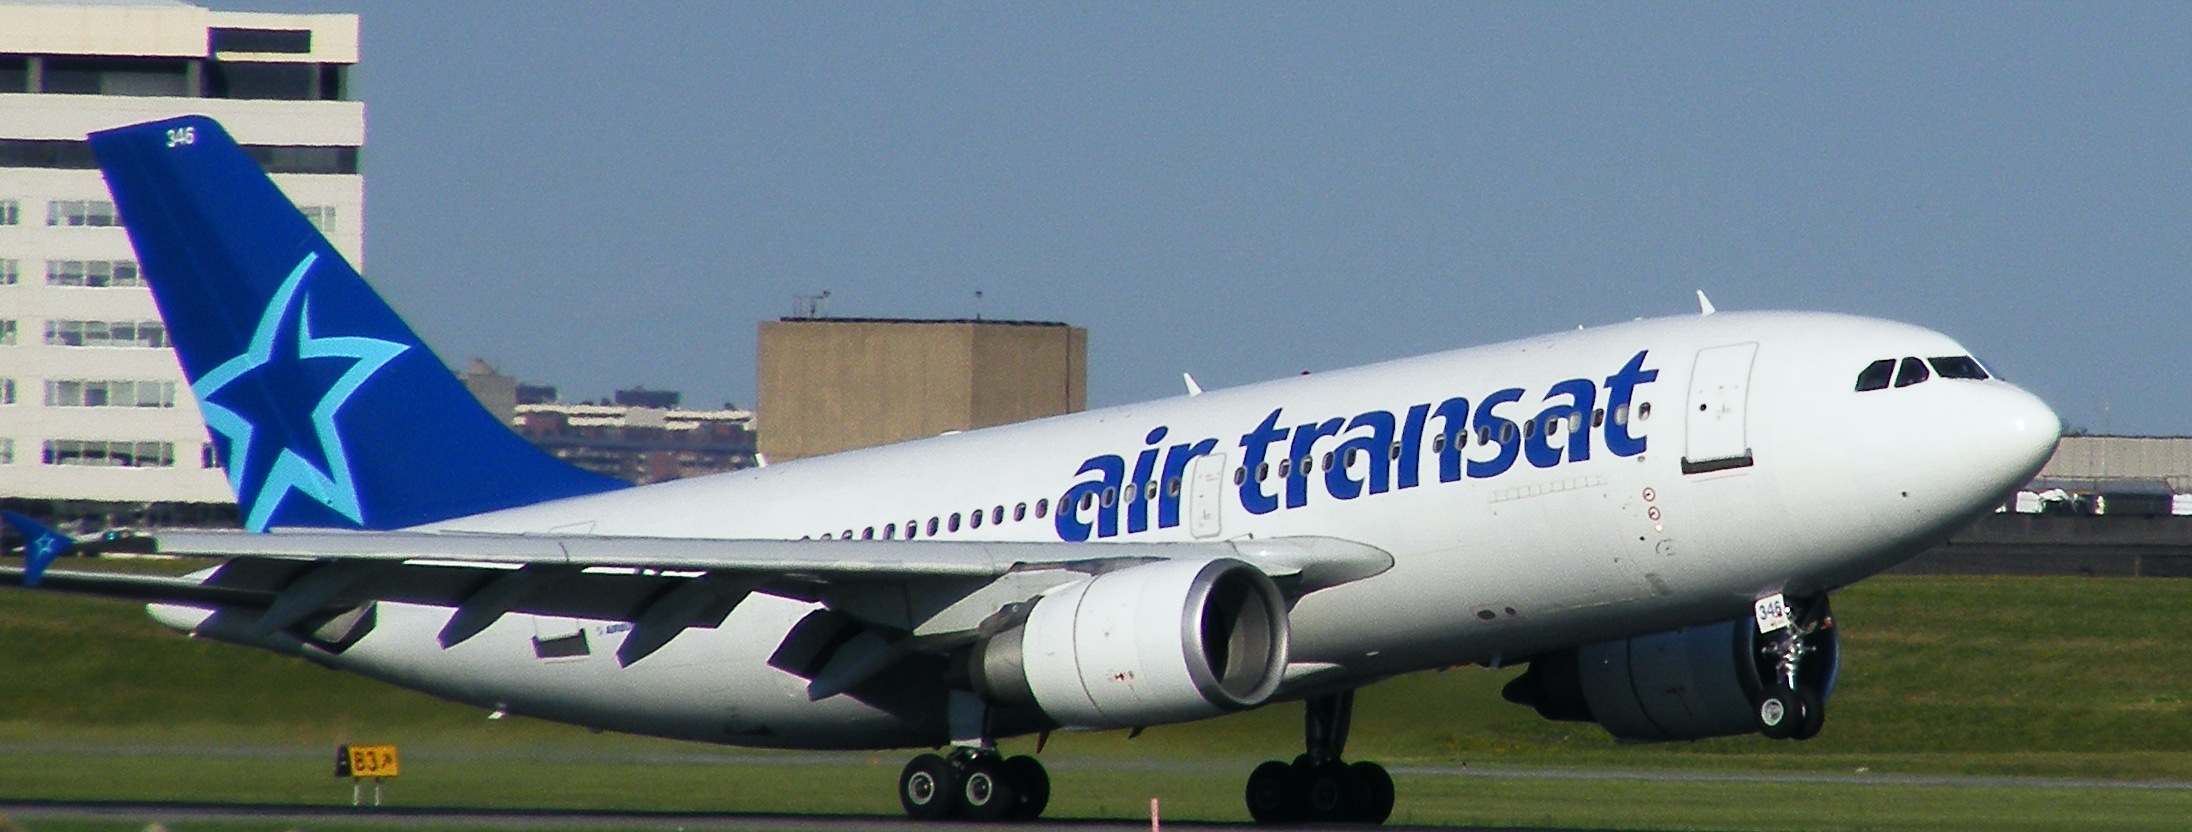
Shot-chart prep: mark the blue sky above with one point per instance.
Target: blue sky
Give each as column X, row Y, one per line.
column 602, row 195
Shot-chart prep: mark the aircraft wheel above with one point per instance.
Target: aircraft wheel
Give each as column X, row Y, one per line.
column 1031, row 782
column 1267, row 793
column 1815, row 715
column 1780, row 714
column 1370, row 793
column 1320, row 790
column 985, row 794
column 927, row 788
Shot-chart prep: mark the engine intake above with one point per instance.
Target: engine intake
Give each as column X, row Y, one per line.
column 1154, row 643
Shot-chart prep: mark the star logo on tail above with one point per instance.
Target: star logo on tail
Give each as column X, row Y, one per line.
column 253, row 399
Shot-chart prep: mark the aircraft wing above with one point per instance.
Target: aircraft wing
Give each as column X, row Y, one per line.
column 932, row 594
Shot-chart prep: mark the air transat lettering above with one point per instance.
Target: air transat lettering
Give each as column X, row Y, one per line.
column 1371, row 453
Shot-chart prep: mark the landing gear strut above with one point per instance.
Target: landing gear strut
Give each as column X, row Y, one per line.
column 1318, row 786
column 1791, row 706
column 973, row 781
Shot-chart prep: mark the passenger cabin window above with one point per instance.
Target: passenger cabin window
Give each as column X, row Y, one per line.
column 1876, row 375
column 1958, row 366
column 1042, row 507
column 1911, row 372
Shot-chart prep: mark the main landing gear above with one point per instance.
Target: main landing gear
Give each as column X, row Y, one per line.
column 976, row 784
column 1791, row 707
column 973, row 782
column 1318, row 787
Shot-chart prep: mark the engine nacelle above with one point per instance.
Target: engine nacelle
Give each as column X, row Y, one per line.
column 1161, row 642
column 1689, row 684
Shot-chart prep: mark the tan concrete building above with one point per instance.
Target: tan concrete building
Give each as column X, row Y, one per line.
column 836, row 384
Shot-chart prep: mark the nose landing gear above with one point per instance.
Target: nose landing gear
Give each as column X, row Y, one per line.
column 1318, row 787
column 1791, row 706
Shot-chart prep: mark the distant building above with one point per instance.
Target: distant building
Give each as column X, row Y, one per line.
column 495, row 391
column 836, row 384
column 2134, row 475
column 641, row 444
column 96, row 420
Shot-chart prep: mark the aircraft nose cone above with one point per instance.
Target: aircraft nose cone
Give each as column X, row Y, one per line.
column 2027, row 432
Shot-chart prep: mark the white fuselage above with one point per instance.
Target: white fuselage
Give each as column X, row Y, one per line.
column 1590, row 532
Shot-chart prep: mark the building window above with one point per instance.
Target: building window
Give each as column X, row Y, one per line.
column 304, row 158
column 103, row 453
column 7, row 333
column 11, row 212
column 265, row 81
column 282, row 41
column 322, row 217
column 151, row 334
column 76, row 393
column 164, row 77
column 71, row 213
column 97, row 274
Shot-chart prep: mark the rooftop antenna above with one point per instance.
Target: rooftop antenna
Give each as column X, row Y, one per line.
column 811, row 306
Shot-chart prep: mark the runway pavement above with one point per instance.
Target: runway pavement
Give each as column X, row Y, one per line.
column 398, row 817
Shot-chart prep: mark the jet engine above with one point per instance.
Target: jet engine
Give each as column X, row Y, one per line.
column 1705, row 681
column 1153, row 643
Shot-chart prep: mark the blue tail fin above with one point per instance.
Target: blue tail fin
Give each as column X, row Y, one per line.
column 325, row 409
column 40, row 545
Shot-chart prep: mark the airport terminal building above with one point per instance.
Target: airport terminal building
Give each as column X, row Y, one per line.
column 95, row 416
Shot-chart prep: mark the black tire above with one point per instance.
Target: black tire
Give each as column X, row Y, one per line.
column 1032, row 782
column 986, row 795
column 1815, row 715
column 928, row 788
column 1370, row 793
column 1267, row 793
column 1780, row 714
column 1320, row 791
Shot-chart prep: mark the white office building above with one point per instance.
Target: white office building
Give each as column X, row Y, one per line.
column 95, row 417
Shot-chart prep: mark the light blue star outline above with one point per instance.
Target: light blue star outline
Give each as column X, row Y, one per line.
column 333, row 488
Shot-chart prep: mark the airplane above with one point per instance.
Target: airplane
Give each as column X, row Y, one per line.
column 1650, row 516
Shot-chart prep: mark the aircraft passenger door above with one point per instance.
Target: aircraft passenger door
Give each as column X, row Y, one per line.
column 1719, row 393
column 1205, row 496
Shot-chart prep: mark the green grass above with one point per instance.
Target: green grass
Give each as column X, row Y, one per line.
column 2048, row 677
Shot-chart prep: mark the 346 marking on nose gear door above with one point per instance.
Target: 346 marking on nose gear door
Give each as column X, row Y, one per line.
column 1772, row 613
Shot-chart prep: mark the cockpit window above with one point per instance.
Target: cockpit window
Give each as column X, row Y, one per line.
column 1958, row 366
column 1875, row 376
column 1912, row 372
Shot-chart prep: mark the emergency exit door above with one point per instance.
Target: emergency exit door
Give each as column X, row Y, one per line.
column 1719, row 395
